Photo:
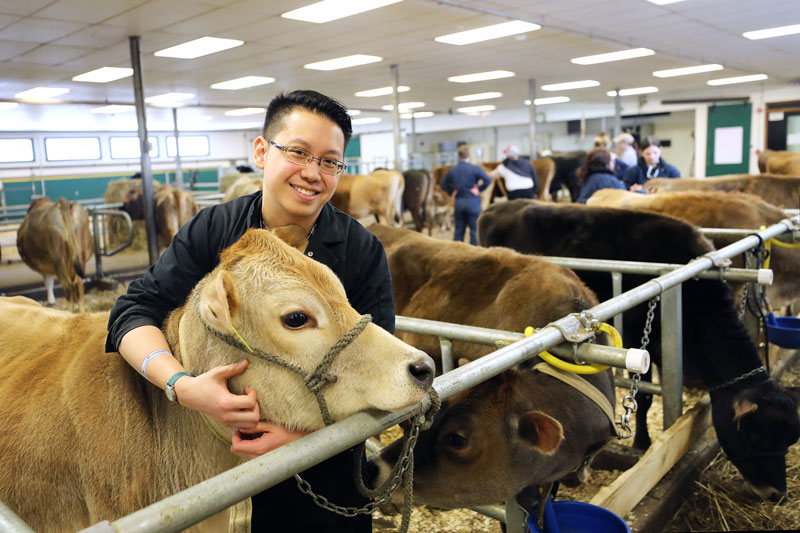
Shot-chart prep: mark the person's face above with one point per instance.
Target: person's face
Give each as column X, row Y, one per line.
column 622, row 145
column 295, row 194
column 651, row 155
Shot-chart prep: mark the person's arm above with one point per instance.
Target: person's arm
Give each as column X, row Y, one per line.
column 483, row 180
column 447, row 183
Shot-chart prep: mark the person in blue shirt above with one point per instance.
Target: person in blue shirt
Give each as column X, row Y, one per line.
column 650, row 165
column 597, row 173
column 466, row 181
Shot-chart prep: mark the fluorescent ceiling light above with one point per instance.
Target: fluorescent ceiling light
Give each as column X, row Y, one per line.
column 582, row 84
column 772, row 32
column 664, row 2
column 104, row 75
column 199, row 47
column 418, row 114
column 633, row 91
column 488, row 32
column 476, row 109
column 244, row 111
column 404, row 105
column 5, row 106
column 329, row 10
column 481, row 76
column 343, row 62
column 549, row 100
column 243, row 83
column 40, row 93
column 169, row 99
column 737, row 79
column 382, row 91
column 353, row 112
column 111, row 109
column 366, row 120
column 477, row 96
column 686, row 70
column 612, row 56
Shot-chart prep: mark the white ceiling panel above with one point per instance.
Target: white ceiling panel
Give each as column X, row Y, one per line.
column 91, row 11
column 10, row 50
column 50, row 54
column 158, row 14
column 35, row 30
column 22, row 8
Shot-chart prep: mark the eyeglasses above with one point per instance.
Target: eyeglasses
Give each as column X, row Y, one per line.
column 298, row 156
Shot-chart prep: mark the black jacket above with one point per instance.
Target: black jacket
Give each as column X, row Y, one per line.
column 359, row 261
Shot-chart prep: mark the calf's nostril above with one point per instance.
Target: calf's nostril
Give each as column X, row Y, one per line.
column 422, row 371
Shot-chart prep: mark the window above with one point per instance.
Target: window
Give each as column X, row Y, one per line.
column 128, row 147
column 16, row 150
column 72, row 148
column 191, row 145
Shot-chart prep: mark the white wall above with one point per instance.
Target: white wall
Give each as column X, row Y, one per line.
column 677, row 127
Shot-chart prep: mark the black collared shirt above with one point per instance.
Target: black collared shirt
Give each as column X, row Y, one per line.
column 355, row 255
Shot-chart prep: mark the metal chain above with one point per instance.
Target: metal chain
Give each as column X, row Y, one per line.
column 629, row 401
column 743, row 305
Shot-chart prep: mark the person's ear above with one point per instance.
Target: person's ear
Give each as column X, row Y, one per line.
column 260, row 151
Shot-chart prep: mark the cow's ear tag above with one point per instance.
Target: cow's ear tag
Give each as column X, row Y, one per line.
column 542, row 431
column 743, row 407
column 293, row 235
column 218, row 302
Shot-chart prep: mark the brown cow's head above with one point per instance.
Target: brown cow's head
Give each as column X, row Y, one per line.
column 485, row 446
column 294, row 308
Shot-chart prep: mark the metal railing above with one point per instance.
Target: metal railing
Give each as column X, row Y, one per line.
column 100, row 233
column 215, row 494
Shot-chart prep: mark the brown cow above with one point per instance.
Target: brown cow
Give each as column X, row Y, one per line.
column 418, row 198
column 93, row 440
column 379, row 193
column 521, row 428
column 783, row 191
column 719, row 210
column 545, row 169
column 779, row 162
column 246, row 184
column 174, row 208
column 54, row 240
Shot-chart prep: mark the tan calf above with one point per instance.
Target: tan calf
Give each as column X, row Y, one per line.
column 93, row 440
column 247, row 184
column 779, row 162
column 378, row 193
column 55, row 241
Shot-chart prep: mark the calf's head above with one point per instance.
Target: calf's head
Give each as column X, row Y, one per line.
column 484, row 446
column 755, row 428
column 279, row 302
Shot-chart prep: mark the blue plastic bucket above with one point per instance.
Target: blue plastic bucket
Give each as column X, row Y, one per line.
column 577, row 517
column 783, row 330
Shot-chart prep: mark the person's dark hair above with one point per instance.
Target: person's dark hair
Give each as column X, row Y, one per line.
column 282, row 105
column 651, row 140
column 597, row 160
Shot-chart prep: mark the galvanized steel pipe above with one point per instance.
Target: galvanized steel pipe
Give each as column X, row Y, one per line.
column 10, row 522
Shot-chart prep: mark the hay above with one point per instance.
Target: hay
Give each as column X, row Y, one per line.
column 721, row 502
column 96, row 300
column 427, row 520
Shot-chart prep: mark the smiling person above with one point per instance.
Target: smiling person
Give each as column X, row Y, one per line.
column 301, row 151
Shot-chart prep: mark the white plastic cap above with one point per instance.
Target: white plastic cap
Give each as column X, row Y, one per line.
column 764, row 276
column 637, row 361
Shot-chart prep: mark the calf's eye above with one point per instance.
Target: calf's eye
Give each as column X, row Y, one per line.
column 296, row 319
column 457, row 440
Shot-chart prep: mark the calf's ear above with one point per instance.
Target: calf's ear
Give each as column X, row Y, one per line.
column 293, row 235
column 743, row 407
column 218, row 302
column 542, row 431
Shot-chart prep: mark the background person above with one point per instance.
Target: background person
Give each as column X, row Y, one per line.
column 603, row 141
column 627, row 153
column 466, row 181
column 518, row 174
column 650, row 165
column 597, row 173
column 301, row 151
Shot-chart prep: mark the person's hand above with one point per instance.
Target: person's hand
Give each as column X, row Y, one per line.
column 636, row 187
column 208, row 393
column 263, row 438
column 474, row 190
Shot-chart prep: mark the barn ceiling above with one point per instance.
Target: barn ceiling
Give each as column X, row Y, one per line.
column 47, row 42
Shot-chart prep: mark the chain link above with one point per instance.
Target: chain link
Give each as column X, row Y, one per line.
column 743, row 305
column 629, row 401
